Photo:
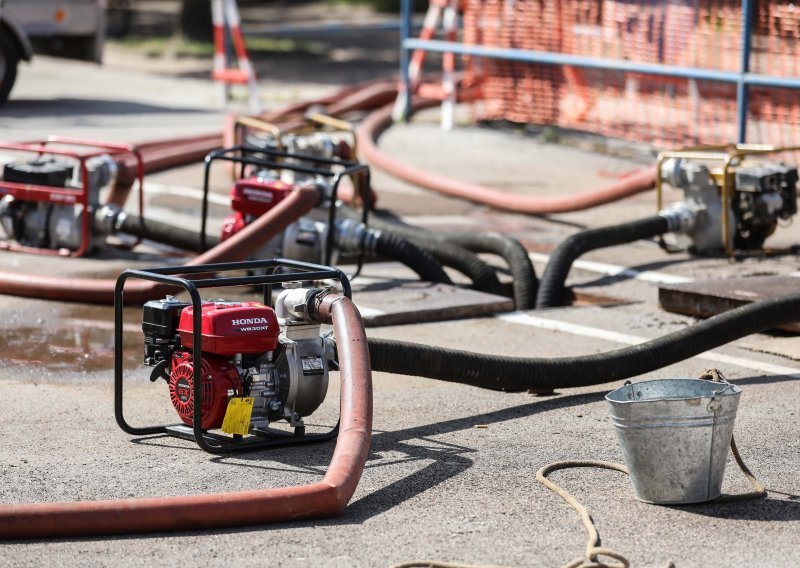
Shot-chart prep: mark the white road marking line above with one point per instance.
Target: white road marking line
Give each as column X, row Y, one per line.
column 189, row 192
column 586, row 331
column 423, row 220
column 617, row 270
column 368, row 312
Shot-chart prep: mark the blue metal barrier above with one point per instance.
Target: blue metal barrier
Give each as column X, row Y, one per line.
column 742, row 79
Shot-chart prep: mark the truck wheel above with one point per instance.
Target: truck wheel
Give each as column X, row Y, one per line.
column 9, row 57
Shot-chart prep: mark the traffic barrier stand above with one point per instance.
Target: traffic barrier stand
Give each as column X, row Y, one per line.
column 225, row 17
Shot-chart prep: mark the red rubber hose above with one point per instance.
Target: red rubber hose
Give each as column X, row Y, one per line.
column 376, row 123
column 326, row 498
column 159, row 155
column 300, row 108
column 101, row 291
column 164, row 154
column 370, row 97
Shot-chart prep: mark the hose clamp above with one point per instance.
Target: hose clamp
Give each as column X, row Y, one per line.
column 315, row 300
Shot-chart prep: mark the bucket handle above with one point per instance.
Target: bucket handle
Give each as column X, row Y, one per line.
column 759, row 490
column 715, row 375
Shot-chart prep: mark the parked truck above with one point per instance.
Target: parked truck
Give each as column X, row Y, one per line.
column 63, row 28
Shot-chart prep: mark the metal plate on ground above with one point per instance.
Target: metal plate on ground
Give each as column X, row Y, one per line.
column 397, row 302
column 705, row 298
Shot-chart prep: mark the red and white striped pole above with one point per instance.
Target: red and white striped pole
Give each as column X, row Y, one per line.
column 447, row 12
column 418, row 58
column 225, row 13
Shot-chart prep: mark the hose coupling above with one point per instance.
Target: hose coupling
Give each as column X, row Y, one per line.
column 298, row 305
column 354, row 237
column 108, row 219
column 103, row 170
column 314, row 304
column 295, row 303
column 673, row 171
column 320, row 187
column 680, row 217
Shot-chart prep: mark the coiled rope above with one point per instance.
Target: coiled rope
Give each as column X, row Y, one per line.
column 593, row 552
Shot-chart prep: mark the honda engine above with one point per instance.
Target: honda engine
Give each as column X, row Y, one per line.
column 277, row 359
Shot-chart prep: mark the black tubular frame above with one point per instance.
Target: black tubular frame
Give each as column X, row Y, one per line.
column 304, row 163
column 178, row 277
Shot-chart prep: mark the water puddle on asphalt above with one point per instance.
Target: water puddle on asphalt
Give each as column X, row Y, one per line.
column 80, row 341
column 74, row 338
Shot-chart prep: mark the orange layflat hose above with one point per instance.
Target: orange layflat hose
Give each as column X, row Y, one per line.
column 376, row 123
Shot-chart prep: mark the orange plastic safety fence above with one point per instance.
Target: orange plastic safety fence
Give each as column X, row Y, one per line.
column 659, row 110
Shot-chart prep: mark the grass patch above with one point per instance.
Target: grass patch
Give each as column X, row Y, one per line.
column 178, row 47
column 283, row 45
column 383, row 5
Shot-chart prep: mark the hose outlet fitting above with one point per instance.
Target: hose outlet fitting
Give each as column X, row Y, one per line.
column 680, row 217
column 293, row 304
column 108, row 219
column 323, row 190
column 672, row 171
column 354, row 237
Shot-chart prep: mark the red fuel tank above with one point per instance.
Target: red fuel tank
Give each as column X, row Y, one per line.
column 254, row 197
column 229, row 328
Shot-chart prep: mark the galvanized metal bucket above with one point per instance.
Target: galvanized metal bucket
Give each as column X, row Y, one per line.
column 675, row 435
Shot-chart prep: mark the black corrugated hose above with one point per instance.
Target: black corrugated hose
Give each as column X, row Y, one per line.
column 418, row 260
column 545, row 373
column 483, row 276
column 456, row 251
column 164, row 233
column 516, row 257
column 551, row 285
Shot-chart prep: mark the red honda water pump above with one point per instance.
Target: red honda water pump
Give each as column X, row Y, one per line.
column 269, row 176
column 50, row 201
column 248, row 351
column 251, row 198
